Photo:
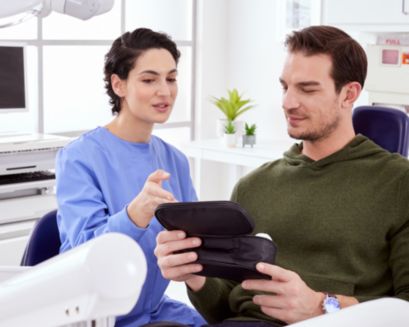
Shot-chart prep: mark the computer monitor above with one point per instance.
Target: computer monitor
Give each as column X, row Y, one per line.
column 13, row 81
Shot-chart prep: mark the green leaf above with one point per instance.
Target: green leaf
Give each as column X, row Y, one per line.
column 232, row 107
column 229, row 128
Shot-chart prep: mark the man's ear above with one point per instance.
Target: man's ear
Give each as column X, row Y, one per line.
column 351, row 92
column 118, row 85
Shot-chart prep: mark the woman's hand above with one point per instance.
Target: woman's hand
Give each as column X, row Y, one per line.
column 142, row 207
column 175, row 265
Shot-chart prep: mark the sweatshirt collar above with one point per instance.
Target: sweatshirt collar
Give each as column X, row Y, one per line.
column 358, row 147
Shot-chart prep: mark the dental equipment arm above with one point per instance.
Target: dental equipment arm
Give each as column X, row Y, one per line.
column 99, row 279
column 83, row 9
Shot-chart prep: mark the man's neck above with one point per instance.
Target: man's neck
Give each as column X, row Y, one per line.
column 319, row 149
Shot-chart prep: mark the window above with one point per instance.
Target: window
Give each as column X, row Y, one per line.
column 65, row 67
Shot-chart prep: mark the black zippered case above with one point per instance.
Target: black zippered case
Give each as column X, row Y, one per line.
column 228, row 250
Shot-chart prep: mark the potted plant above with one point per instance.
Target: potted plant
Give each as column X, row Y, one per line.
column 230, row 134
column 249, row 136
column 232, row 107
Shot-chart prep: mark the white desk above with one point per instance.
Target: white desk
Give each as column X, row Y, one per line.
column 214, row 150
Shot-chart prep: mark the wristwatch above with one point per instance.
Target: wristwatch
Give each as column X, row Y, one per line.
column 330, row 303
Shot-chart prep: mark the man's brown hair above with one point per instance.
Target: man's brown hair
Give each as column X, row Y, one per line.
column 349, row 62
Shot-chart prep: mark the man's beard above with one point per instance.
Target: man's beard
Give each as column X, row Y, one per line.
column 320, row 133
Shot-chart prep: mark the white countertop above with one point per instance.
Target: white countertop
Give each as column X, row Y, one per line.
column 215, row 150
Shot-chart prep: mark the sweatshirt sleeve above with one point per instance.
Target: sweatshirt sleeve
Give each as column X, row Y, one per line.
column 399, row 246
column 212, row 301
column 82, row 212
column 399, row 256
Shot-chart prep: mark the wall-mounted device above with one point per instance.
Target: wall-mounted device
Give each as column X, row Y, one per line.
column 388, row 74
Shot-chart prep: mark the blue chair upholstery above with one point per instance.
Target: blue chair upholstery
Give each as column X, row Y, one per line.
column 44, row 241
column 387, row 127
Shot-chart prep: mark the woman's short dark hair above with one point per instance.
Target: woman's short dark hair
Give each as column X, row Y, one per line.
column 349, row 62
column 124, row 52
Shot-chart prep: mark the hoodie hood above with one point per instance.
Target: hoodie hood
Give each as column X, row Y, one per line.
column 359, row 147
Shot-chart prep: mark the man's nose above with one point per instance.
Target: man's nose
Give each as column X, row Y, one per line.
column 290, row 99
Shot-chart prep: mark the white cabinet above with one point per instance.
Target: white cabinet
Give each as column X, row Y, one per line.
column 12, row 249
column 367, row 15
column 17, row 219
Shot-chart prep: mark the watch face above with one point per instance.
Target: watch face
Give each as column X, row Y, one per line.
column 331, row 304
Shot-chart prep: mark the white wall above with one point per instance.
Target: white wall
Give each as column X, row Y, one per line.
column 212, row 75
column 212, row 56
column 238, row 48
column 255, row 61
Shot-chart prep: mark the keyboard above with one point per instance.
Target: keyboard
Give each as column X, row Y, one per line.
column 26, row 177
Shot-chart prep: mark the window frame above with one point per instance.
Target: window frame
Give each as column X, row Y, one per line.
column 40, row 43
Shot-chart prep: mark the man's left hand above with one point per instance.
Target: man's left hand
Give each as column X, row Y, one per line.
column 291, row 300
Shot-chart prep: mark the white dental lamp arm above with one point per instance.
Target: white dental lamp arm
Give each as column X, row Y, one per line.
column 83, row 9
column 10, row 8
column 101, row 278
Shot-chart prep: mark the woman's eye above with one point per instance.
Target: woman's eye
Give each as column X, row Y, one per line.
column 171, row 80
column 147, row 81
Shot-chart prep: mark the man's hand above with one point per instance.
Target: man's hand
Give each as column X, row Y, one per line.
column 143, row 206
column 179, row 266
column 291, row 300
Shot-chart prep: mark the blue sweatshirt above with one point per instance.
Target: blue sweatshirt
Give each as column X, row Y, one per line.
column 98, row 175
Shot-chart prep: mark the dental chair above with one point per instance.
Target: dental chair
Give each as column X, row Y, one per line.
column 86, row 286
column 44, row 241
column 387, row 127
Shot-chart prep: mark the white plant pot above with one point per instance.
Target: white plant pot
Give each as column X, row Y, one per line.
column 230, row 140
column 239, row 124
column 221, row 123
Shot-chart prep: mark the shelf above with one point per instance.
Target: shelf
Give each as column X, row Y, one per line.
column 215, row 150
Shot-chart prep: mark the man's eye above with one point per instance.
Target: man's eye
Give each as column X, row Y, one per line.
column 308, row 91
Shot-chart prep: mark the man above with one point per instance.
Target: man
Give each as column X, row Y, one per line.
column 337, row 205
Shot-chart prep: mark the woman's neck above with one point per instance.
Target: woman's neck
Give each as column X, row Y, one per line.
column 130, row 130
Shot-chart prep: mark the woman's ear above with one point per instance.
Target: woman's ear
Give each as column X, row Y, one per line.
column 118, row 85
column 351, row 92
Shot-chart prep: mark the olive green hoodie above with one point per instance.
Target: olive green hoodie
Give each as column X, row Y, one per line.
column 341, row 223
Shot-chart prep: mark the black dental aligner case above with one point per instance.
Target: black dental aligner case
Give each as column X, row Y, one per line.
column 227, row 250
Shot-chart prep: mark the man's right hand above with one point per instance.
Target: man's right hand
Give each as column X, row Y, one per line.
column 179, row 266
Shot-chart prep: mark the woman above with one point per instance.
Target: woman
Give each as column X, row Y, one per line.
column 112, row 178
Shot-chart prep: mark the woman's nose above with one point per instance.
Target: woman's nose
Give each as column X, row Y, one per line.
column 164, row 89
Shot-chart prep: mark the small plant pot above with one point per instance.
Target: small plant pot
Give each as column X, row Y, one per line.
column 221, row 123
column 230, row 140
column 248, row 140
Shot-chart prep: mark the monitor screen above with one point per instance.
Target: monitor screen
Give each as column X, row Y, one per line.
column 13, row 95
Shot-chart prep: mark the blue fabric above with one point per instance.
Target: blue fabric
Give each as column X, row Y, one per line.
column 97, row 176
